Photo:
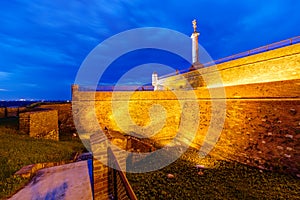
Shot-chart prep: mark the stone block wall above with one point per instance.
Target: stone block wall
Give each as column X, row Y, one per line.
column 107, row 181
column 12, row 111
column 24, row 123
column 263, row 132
column 65, row 117
column 119, row 120
column 115, row 110
column 22, row 109
column 40, row 124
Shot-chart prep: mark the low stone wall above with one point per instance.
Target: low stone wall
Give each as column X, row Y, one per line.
column 65, row 118
column 40, row 124
column 29, row 170
column 11, row 111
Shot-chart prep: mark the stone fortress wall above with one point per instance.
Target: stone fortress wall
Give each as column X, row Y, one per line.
column 271, row 66
column 263, row 133
column 262, row 124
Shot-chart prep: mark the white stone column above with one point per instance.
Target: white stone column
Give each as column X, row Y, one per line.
column 154, row 80
column 195, row 47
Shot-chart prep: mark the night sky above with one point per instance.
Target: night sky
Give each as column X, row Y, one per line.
column 43, row 43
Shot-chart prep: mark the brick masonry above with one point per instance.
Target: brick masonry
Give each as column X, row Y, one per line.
column 265, row 134
column 40, row 124
column 260, row 132
column 108, row 181
column 100, row 169
column 11, row 111
column 262, row 123
column 65, row 118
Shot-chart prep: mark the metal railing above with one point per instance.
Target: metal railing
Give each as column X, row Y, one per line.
column 265, row 48
column 120, row 188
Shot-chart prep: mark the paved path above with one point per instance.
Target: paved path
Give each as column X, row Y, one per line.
column 65, row 182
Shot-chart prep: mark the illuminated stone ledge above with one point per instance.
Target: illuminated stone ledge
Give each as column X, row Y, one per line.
column 285, row 89
column 271, row 66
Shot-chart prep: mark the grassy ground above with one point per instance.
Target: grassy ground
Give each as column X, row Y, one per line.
column 221, row 180
column 18, row 150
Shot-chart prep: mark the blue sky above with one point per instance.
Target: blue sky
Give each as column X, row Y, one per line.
column 43, row 43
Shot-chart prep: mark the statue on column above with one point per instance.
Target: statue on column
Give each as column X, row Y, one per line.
column 194, row 22
column 195, row 48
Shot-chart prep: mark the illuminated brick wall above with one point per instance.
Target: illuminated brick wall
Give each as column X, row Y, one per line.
column 100, row 170
column 139, row 104
column 275, row 65
column 106, row 181
column 260, row 132
column 65, row 118
column 39, row 124
column 262, row 124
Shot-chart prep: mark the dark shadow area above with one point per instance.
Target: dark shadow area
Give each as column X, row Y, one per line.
column 10, row 122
